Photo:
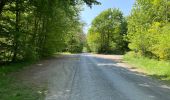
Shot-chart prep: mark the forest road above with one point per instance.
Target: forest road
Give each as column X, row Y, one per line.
column 89, row 77
column 92, row 77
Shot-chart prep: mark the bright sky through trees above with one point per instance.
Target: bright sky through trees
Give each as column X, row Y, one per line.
column 89, row 14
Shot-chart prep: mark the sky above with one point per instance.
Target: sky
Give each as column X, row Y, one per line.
column 88, row 14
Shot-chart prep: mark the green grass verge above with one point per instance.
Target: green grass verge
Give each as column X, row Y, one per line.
column 13, row 89
column 152, row 67
column 61, row 53
column 13, row 67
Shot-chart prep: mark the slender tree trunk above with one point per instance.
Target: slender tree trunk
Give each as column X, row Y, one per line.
column 35, row 31
column 108, row 42
column 2, row 4
column 16, row 35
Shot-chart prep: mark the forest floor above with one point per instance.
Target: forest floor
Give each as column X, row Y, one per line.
column 90, row 77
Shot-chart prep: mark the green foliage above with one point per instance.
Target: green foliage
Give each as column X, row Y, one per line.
column 75, row 44
column 107, row 32
column 76, row 40
column 159, row 35
column 148, row 28
column 32, row 29
column 13, row 67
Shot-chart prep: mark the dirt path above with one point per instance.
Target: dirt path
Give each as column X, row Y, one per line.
column 93, row 77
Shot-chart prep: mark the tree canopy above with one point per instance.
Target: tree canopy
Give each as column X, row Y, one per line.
column 32, row 29
column 107, row 32
column 148, row 28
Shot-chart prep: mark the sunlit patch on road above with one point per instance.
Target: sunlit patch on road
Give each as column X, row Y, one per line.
column 106, row 64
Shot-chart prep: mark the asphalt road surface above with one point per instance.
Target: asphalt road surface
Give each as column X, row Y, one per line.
column 89, row 77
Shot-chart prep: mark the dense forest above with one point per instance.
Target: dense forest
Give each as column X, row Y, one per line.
column 146, row 31
column 32, row 29
column 149, row 28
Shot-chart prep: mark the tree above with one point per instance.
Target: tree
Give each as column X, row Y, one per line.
column 107, row 31
column 32, row 29
column 146, row 28
column 70, row 2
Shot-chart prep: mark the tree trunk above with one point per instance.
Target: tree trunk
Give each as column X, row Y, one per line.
column 16, row 35
column 2, row 4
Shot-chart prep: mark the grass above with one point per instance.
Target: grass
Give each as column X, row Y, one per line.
column 13, row 89
column 13, row 67
column 66, row 53
column 152, row 67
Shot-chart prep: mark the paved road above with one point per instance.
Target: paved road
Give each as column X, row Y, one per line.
column 88, row 77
